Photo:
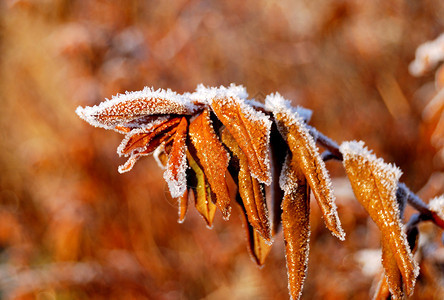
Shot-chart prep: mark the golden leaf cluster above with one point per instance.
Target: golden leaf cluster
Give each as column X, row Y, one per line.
column 202, row 138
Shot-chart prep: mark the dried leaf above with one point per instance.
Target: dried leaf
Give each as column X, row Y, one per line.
column 145, row 140
column 258, row 247
column 295, row 223
column 149, row 136
column 250, row 190
column 393, row 278
column 374, row 184
column 124, row 108
column 304, row 150
column 175, row 174
column 202, row 192
column 212, row 157
column 251, row 130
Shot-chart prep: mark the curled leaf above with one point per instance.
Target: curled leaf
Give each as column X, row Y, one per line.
column 125, row 108
column 304, row 150
column 202, row 192
column 374, row 184
column 212, row 157
column 295, row 224
column 250, row 190
column 145, row 140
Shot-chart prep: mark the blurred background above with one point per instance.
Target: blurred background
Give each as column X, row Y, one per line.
column 72, row 227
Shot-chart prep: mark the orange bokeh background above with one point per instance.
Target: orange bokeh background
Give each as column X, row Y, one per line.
column 72, row 227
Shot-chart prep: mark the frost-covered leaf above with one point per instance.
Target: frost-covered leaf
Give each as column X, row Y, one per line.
column 250, row 128
column 374, row 184
column 295, row 224
column 393, row 278
column 250, row 190
column 175, row 174
column 202, row 192
column 212, row 157
column 125, row 108
column 303, row 148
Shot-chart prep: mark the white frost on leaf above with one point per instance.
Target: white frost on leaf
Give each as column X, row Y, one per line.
column 124, row 108
column 427, row 56
column 205, row 94
column 389, row 173
column 286, row 183
column 315, row 170
column 275, row 103
column 437, row 205
column 177, row 184
column 258, row 126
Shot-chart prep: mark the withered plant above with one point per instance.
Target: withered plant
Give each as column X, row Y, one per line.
column 202, row 138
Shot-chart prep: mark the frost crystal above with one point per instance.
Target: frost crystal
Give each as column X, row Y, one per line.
column 130, row 106
column 205, row 94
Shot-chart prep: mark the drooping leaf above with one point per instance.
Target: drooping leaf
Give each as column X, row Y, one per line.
column 202, row 192
column 393, row 277
column 175, row 174
column 251, row 130
column 374, row 184
column 212, row 157
column 295, row 223
column 250, row 190
column 304, row 150
column 125, row 108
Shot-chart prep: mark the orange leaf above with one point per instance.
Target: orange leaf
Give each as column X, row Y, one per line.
column 374, row 184
column 250, row 190
column 202, row 192
column 183, row 206
column 175, row 174
column 393, row 278
column 125, row 108
column 212, row 157
column 251, row 130
column 140, row 139
column 258, row 247
column 303, row 148
column 295, row 224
